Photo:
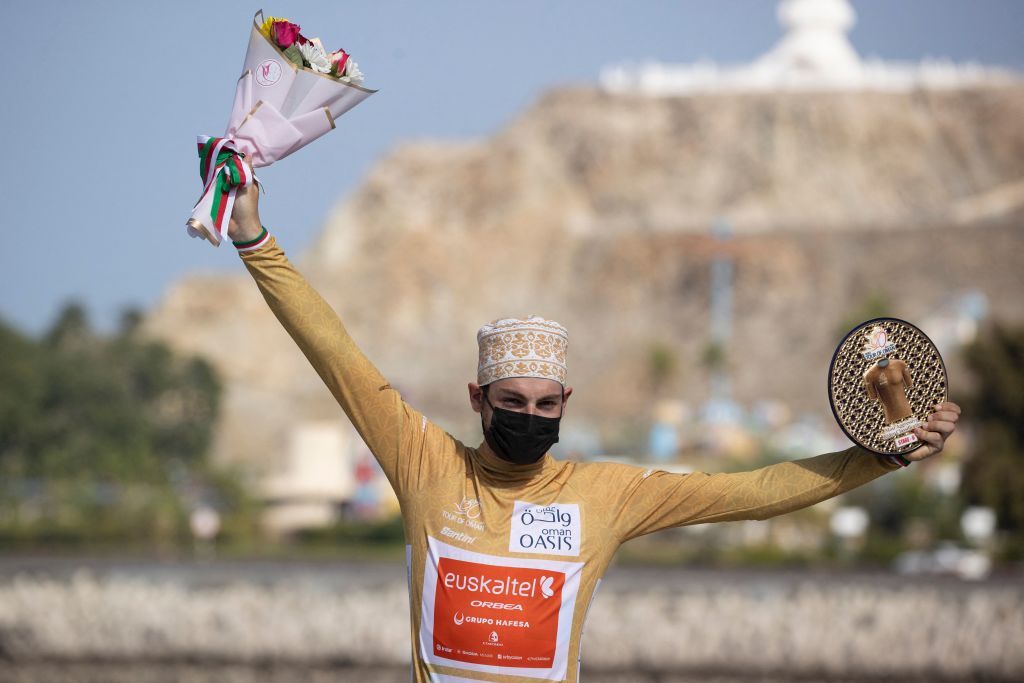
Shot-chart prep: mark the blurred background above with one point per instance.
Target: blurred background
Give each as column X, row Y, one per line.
column 709, row 195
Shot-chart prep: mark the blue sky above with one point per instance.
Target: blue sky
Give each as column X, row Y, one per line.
column 103, row 104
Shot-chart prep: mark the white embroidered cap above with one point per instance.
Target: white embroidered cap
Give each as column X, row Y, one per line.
column 521, row 347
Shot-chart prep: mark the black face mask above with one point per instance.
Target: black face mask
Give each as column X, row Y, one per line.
column 520, row 438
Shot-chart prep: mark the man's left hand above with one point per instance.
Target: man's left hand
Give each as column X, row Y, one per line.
column 941, row 423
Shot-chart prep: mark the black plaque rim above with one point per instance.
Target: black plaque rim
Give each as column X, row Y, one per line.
column 832, row 365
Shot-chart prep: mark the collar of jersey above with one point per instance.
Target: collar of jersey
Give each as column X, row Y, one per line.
column 499, row 468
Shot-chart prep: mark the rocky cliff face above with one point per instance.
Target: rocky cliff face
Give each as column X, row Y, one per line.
column 595, row 209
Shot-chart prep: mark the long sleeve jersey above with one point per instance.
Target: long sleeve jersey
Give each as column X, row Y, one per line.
column 504, row 559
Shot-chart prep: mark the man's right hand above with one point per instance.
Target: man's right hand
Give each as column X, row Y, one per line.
column 245, row 224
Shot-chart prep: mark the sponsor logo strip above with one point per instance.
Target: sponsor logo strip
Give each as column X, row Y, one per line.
column 458, row 535
column 545, row 529
column 496, row 614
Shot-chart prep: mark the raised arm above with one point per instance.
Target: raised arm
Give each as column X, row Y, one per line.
column 649, row 500
column 387, row 425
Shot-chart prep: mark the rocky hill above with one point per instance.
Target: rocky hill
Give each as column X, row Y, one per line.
column 595, row 209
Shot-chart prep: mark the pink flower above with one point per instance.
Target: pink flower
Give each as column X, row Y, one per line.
column 339, row 59
column 284, row 33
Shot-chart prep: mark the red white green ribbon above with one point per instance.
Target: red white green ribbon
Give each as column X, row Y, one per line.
column 223, row 170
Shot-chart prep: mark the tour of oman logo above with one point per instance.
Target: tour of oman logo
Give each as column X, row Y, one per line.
column 876, row 343
column 466, row 513
column 268, row 72
column 469, row 507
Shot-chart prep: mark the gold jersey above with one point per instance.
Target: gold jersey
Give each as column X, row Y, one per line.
column 504, row 559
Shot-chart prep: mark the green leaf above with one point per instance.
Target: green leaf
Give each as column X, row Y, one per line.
column 294, row 55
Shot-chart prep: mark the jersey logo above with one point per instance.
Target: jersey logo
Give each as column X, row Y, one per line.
column 465, row 513
column 469, row 507
column 545, row 529
column 503, row 615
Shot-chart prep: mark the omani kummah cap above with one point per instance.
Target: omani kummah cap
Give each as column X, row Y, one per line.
column 515, row 347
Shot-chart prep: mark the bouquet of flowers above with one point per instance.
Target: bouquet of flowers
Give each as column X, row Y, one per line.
column 290, row 92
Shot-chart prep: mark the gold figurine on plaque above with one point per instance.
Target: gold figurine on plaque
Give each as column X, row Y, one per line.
column 885, row 378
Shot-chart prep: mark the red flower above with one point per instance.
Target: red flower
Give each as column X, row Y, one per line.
column 338, row 59
column 284, row 33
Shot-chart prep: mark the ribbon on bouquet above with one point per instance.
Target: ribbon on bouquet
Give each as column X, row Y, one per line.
column 223, row 170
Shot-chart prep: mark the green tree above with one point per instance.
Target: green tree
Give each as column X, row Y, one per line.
column 662, row 364
column 96, row 430
column 71, row 328
column 994, row 474
column 713, row 356
column 876, row 304
column 21, row 390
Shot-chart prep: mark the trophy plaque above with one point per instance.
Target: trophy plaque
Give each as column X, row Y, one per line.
column 886, row 377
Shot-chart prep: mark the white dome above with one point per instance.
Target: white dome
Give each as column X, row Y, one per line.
column 815, row 45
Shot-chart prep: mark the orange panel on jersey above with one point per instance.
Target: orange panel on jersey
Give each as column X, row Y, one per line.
column 496, row 615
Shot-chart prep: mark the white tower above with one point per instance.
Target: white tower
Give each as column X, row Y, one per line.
column 815, row 48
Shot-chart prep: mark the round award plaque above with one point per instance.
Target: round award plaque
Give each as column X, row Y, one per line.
column 886, row 377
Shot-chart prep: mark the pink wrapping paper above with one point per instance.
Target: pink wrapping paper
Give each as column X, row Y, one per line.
column 279, row 108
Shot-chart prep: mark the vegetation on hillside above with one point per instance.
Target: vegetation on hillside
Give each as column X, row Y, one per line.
column 104, row 438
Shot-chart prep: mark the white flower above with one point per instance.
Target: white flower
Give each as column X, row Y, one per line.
column 352, row 73
column 313, row 52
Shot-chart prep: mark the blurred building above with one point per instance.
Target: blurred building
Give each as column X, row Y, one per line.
column 324, row 473
column 814, row 54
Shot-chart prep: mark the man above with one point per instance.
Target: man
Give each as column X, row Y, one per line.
column 505, row 545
